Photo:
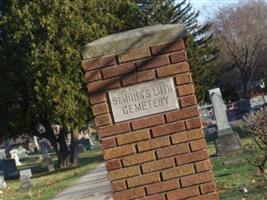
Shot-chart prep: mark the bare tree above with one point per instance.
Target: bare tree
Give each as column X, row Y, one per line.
column 256, row 126
column 241, row 39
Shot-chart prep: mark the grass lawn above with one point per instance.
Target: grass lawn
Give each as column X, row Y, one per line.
column 230, row 178
column 47, row 185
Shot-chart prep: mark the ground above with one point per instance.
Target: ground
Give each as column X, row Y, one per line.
column 230, row 179
column 47, row 185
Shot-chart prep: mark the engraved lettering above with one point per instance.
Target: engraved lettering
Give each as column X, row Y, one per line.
column 143, row 99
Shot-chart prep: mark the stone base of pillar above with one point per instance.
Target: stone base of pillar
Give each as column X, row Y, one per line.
column 228, row 142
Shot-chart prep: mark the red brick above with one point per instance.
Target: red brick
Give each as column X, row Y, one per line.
column 138, row 158
column 147, row 122
column 118, row 185
column 193, row 123
column 181, row 114
column 133, row 136
column 187, row 136
column 114, row 129
column 143, row 180
column 96, row 63
column 113, row 164
column 183, row 193
column 168, row 129
column 179, row 56
column 118, row 151
column 139, row 77
column 154, row 197
column 188, row 101
column 158, row 165
column 163, row 186
column 152, row 62
column 203, row 166
column 167, row 47
column 118, row 70
column 198, row 145
column 108, row 143
column 123, row 173
column 97, row 98
column 191, row 157
column 186, row 89
column 134, row 54
column 208, row 188
column 92, row 76
column 212, row 196
column 182, row 79
column 172, row 69
column 129, row 194
column 102, row 120
column 197, row 179
column 103, row 85
column 99, row 109
column 172, row 150
column 178, row 171
column 153, row 144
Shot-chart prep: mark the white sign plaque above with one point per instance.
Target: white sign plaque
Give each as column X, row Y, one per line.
column 25, row 172
column 143, row 99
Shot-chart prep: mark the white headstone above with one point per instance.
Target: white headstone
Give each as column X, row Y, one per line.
column 219, row 109
column 2, row 154
column 2, row 182
column 22, row 153
column 25, row 172
column 25, row 179
column 51, row 167
column 14, row 155
column 36, row 144
column 227, row 140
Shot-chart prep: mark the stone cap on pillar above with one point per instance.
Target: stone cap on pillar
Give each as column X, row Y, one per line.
column 140, row 37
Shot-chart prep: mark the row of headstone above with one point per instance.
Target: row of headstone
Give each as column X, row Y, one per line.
column 25, row 179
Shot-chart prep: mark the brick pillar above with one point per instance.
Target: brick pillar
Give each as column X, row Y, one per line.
column 160, row 156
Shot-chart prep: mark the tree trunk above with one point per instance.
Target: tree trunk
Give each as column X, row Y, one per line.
column 244, row 84
column 64, row 151
column 74, row 147
column 67, row 156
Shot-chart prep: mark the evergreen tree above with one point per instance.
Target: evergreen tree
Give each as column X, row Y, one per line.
column 200, row 51
column 41, row 82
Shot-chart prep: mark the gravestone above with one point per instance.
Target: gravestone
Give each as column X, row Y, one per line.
column 2, row 180
column 14, row 155
column 50, row 167
column 22, row 153
column 8, row 166
column 227, row 141
column 145, row 110
column 25, row 179
column 2, row 154
column 81, row 148
column 36, row 144
column 44, row 147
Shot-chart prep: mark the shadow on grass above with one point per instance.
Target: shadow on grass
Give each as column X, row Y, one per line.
column 42, row 171
column 85, row 161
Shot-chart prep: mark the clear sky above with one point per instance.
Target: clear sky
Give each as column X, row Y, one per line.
column 207, row 8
